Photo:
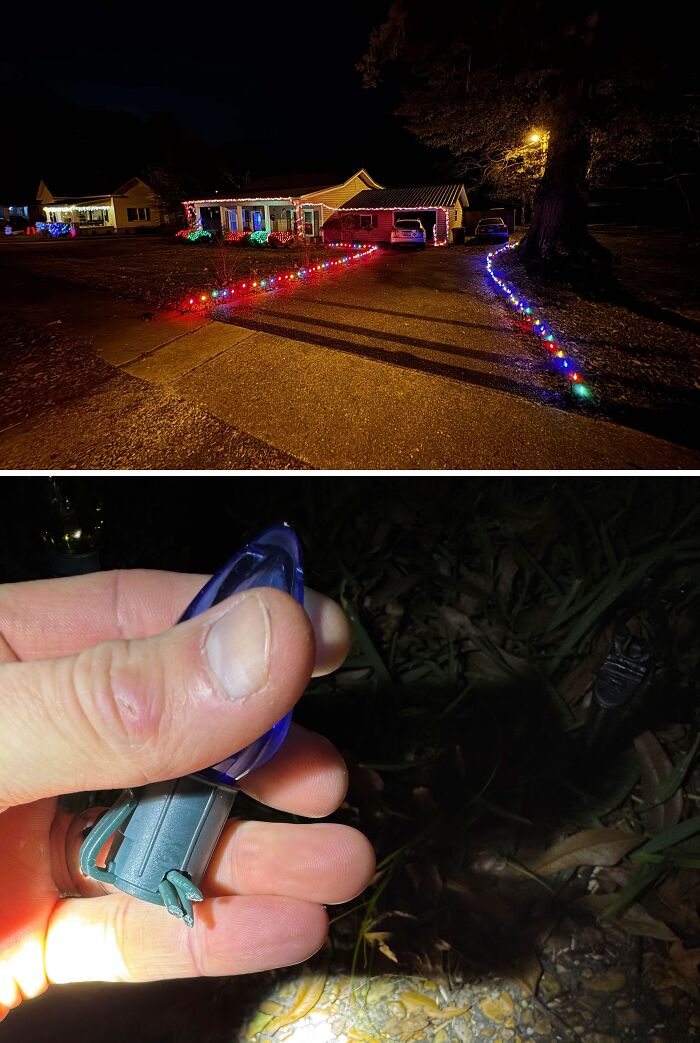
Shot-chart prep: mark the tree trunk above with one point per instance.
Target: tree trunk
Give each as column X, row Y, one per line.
column 558, row 236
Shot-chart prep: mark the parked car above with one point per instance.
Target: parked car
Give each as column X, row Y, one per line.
column 491, row 228
column 408, row 232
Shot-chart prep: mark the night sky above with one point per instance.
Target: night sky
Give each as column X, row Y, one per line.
column 278, row 80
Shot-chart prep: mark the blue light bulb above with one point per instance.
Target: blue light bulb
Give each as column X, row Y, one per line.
column 272, row 559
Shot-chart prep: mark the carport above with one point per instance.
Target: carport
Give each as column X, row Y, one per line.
column 370, row 215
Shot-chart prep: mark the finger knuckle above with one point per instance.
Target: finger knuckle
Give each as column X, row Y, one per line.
column 115, row 699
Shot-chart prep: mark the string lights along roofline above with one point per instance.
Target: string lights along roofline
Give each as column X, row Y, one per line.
column 566, row 365
column 219, row 200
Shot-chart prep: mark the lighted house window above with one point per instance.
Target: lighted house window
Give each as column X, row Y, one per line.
column 368, row 221
column 138, row 213
column 94, row 217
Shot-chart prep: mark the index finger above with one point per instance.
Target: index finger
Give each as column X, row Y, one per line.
column 55, row 617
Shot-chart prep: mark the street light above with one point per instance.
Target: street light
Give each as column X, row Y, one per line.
column 534, row 138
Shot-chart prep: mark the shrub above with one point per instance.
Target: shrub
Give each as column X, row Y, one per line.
column 278, row 239
column 237, row 238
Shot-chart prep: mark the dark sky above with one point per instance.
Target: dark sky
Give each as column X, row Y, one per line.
column 281, row 76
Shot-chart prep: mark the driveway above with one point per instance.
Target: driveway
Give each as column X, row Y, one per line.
column 407, row 361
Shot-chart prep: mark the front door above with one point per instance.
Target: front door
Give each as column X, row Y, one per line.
column 311, row 222
column 252, row 219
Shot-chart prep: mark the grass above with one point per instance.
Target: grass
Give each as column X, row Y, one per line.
column 156, row 269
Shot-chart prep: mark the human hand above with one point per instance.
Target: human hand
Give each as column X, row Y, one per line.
column 96, row 694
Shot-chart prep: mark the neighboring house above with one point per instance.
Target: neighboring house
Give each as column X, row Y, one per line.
column 299, row 204
column 19, row 207
column 369, row 216
column 129, row 208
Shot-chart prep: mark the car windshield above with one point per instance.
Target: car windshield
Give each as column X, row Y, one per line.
column 407, row 224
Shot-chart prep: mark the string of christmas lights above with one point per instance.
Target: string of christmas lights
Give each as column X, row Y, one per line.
column 200, row 301
column 281, row 238
column 566, row 365
column 54, row 228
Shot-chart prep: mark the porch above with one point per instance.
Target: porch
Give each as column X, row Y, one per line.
column 255, row 215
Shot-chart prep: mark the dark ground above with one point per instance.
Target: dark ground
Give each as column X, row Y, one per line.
column 639, row 347
column 482, row 610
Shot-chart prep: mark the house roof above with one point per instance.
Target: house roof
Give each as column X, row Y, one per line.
column 84, row 192
column 80, row 200
column 408, row 198
column 291, row 186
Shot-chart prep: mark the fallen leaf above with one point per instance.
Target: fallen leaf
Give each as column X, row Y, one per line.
column 674, row 780
column 680, row 895
column 416, row 1002
column 271, row 1007
column 590, row 847
column 308, row 995
column 527, row 973
column 634, row 920
column 686, row 963
column 379, row 938
column 498, row 1008
column 258, row 1022
column 663, row 972
column 656, row 768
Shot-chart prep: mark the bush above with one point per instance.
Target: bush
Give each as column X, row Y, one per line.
column 280, row 239
column 237, row 238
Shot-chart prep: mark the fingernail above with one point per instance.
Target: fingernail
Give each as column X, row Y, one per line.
column 238, row 647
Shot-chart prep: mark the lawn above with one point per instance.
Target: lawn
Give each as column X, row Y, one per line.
column 159, row 270
column 637, row 344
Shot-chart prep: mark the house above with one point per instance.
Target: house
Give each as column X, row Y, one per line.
column 130, row 207
column 369, row 216
column 299, row 204
column 19, row 207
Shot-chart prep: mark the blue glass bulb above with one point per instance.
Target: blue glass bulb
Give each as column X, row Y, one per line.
column 272, row 559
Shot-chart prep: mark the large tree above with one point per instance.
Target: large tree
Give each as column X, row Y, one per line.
column 496, row 81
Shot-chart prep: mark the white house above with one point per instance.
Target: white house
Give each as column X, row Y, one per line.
column 298, row 203
column 130, row 207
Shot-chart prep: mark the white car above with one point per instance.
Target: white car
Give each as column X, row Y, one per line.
column 408, row 232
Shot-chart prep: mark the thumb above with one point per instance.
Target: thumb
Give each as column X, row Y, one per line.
column 125, row 713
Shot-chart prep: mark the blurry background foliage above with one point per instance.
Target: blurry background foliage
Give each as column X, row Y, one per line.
column 501, row 802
